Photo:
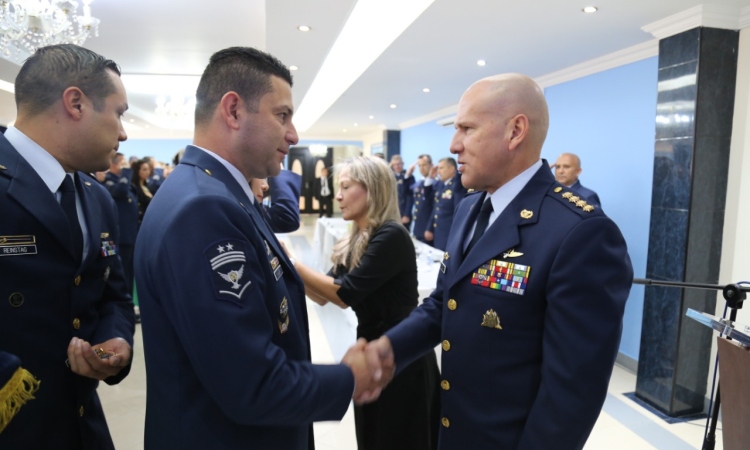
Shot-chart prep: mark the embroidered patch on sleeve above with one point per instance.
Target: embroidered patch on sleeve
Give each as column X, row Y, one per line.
column 227, row 261
column 503, row 276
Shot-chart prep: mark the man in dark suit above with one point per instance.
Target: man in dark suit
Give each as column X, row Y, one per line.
column 567, row 170
column 532, row 289
column 423, row 199
column 60, row 269
column 447, row 193
column 404, row 186
column 323, row 189
column 223, row 307
column 122, row 191
column 283, row 213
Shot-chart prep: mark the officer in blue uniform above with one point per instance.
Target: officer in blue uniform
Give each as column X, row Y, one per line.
column 223, row 307
column 448, row 193
column 64, row 296
column 423, row 199
column 530, row 297
column 282, row 214
column 123, row 193
column 404, row 186
column 567, row 170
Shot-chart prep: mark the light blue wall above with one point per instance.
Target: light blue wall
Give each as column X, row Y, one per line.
column 608, row 120
column 161, row 149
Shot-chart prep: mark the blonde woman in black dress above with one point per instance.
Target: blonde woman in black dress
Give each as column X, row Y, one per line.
column 375, row 273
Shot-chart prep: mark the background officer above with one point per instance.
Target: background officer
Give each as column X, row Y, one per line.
column 61, row 281
column 404, row 184
column 448, row 193
column 567, row 170
column 423, row 198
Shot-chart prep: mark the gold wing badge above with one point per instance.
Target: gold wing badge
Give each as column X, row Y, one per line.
column 512, row 253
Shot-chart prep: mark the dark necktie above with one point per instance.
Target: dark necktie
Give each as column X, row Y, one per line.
column 68, row 203
column 482, row 220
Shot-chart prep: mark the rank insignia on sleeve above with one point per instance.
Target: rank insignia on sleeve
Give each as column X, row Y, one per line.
column 502, row 276
column 108, row 248
column 227, row 260
column 490, row 320
column 284, row 316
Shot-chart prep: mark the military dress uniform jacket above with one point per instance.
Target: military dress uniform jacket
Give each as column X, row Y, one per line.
column 404, row 187
column 47, row 297
column 447, row 196
column 123, row 193
column 585, row 193
column 225, row 323
column 283, row 214
column 423, row 201
column 527, row 354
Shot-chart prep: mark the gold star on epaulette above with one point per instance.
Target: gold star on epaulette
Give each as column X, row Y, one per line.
column 588, row 208
column 581, row 203
column 558, row 189
column 567, row 195
column 574, row 199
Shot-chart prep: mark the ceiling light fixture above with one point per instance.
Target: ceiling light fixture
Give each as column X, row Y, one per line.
column 426, row 90
column 293, row 68
column 590, row 9
column 30, row 24
column 371, row 28
column 370, row 117
column 481, row 63
column 393, row 106
column 304, row 28
column 356, row 124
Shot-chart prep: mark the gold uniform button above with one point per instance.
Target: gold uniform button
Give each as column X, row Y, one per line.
column 446, row 422
column 446, row 345
column 16, row 299
column 76, row 323
column 452, row 304
column 438, row 209
column 77, row 281
column 208, row 172
column 417, row 202
column 436, row 216
column 130, row 200
column 445, row 385
column 80, row 411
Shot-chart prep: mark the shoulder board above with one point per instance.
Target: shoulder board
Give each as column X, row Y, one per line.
column 471, row 192
column 568, row 197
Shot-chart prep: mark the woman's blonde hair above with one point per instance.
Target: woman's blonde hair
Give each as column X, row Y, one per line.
column 379, row 183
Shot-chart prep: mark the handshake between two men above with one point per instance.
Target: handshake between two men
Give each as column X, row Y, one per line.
column 373, row 367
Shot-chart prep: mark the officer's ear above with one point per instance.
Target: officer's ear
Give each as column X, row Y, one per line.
column 230, row 108
column 518, row 128
column 72, row 100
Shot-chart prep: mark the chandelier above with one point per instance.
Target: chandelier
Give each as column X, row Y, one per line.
column 30, row 24
column 176, row 105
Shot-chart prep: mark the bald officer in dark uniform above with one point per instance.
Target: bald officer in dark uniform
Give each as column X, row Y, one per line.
column 225, row 329
column 61, row 281
column 529, row 301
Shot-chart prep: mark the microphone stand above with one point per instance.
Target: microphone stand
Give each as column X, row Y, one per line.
column 734, row 295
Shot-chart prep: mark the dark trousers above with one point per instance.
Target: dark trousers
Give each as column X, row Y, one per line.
column 326, row 206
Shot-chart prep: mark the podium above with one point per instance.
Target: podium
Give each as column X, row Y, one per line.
column 734, row 373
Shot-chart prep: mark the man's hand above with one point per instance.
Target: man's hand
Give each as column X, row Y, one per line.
column 411, row 170
column 428, row 236
column 379, row 354
column 364, row 375
column 433, row 172
column 85, row 362
column 405, row 220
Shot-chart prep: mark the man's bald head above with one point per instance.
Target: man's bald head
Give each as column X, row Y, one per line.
column 567, row 169
column 501, row 126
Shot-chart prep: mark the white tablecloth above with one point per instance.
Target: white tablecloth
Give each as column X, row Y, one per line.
column 329, row 230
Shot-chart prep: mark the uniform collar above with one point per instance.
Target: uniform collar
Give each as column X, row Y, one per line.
column 43, row 163
column 502, row 197
column 236, row 174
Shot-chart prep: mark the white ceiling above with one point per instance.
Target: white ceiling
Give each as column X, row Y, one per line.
column 439, row 51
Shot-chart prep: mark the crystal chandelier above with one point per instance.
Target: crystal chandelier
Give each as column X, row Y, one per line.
column 176, row 105
column 30, row 24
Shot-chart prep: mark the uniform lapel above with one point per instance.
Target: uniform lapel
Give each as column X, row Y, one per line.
column 504, row 233
column 92, row 212
column 28, row 189
column 458, row 233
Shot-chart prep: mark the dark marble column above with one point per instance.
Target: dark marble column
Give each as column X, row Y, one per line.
column 391, row 143
column 697, row 72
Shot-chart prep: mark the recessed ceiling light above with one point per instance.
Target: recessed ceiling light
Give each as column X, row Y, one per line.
column 590, row 9
column 481, row 63
column 344, row 130
column 148, row 126
column 426, row 90
column 132, row 120
column 371, row 117
column 393, row 106
column 356, row 124
column 293, row 68
column 304, row 28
